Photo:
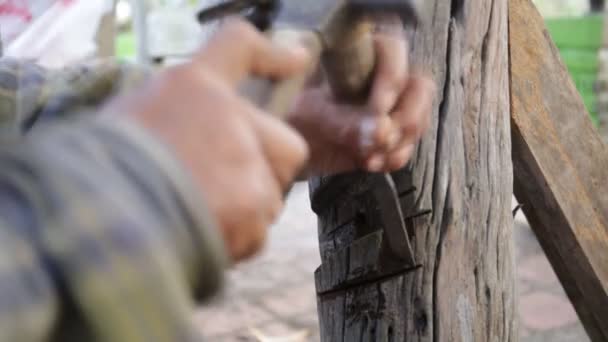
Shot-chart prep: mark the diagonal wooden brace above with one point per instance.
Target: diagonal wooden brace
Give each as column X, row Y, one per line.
column 560, row 167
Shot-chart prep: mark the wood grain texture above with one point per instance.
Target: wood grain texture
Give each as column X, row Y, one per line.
column 462, row 171
column 560, row 168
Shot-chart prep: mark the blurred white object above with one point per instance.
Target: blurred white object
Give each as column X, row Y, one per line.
column 173, row 30
column 65, row 33
column 167, row 29
column 123, row 12
column 17, row 15
column 562, row 8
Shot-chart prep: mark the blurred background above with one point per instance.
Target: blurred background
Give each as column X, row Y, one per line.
column 272, row 297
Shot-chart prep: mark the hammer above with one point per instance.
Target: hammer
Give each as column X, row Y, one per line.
column 340, row 40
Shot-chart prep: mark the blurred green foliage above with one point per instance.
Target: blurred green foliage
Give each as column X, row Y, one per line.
column 579, row 40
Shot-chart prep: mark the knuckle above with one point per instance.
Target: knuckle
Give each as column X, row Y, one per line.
column 258, row 210
column 241, row 30
column 396, row 164
column 273, row 211
column 413, row 131
column 299, row 152
column 261, row 202
column 268, row 197
column 258, row 239
column 381, row 128
column 185, row 75
column 252, row 203
column 410, row 127
column 401, row 158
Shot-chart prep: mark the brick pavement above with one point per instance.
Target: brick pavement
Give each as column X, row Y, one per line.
column 274, row 293
column 545, row 312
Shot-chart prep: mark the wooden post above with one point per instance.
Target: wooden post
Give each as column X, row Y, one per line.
column 464, row 290
column 602, row 83
column 560, row 167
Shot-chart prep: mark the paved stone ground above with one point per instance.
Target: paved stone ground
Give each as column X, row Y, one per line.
column 274, row 293
column 545, row 312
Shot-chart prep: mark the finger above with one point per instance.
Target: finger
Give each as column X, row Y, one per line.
column 398, row 159
column 258, row 205
column 238, row 50
column 391, row 72
column 254, row 212
column 285, row 150
column 351, row 128
column 337, row 160
column 413, row 113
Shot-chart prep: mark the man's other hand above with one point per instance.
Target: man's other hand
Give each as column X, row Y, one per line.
column 242, row 159
column 378, row 137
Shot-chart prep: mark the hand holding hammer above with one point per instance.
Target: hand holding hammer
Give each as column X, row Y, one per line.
column 341, row 42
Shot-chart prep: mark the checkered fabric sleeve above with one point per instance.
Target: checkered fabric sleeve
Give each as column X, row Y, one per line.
column 102, row 237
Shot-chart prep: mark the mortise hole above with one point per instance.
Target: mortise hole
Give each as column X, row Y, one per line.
column 421, row 323
column 360, row 218
column 390, row 334
column 457, row 8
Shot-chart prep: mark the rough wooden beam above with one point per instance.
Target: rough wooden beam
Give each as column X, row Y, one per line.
column 560, row 167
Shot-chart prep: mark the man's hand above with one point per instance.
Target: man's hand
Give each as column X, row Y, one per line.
column 378, row 137
column 242, row 159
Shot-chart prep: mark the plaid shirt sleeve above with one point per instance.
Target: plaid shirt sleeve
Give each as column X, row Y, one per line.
column 30, row 94
column 102, row 237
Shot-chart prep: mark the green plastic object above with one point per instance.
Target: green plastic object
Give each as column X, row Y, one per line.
column 580, row 61
column 579, row 40
column 583, row 33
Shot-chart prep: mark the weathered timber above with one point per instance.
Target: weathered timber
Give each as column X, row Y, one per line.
column 464, row 290
column 560, row 167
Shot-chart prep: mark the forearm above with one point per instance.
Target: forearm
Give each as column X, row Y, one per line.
column 115, row 217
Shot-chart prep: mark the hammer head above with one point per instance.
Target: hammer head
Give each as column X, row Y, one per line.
column 329, row 16
column 320, row 14
column 407, row 10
